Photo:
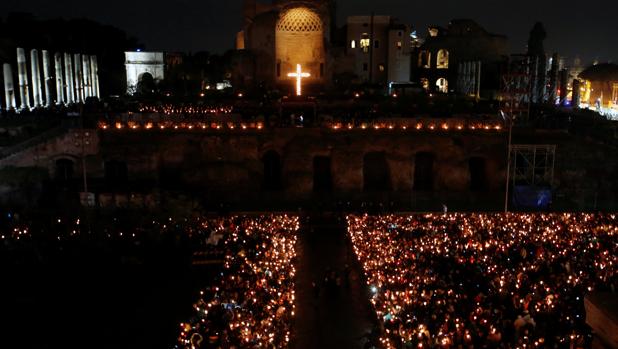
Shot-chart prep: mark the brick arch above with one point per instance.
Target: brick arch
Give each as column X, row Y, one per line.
column 376, row 172
column 424, row 171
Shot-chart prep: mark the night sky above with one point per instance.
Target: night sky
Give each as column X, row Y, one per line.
column 575, row 28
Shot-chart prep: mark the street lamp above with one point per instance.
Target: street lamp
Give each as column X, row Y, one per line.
column 509, row 119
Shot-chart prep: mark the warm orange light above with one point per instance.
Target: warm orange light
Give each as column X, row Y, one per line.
column 299, row 75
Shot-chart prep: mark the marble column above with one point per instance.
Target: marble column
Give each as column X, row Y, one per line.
column 79, row 78
column 48, row 80
column 37, row 93
column 94, row 70
column 59, row 79
column 9, row 87
column 22, row 71
column 68, row 78
column 86, row 75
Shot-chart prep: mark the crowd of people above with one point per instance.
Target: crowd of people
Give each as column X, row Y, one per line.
column 186, row 110
column 485, row 280
column 252, row 304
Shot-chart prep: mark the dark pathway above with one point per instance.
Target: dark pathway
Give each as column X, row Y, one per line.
column 335, row 316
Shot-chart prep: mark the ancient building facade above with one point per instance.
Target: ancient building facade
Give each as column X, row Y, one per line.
column 600, row 86
column 138, row 64
column 379, row 48
column 462, row 57
column 284, row 34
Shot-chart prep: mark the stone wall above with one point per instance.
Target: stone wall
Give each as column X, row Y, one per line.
column 229, row 166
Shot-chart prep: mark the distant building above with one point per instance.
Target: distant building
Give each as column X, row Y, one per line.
column 141, row 65
column 462, row 58
column 599, row 89
column 380, row 49
column 284, row 34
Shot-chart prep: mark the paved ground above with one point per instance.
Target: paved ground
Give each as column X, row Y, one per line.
column 330, row 316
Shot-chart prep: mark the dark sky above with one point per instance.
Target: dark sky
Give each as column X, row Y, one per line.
column 587, row 29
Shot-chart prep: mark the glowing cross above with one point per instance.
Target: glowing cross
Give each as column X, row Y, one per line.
column 299, row 75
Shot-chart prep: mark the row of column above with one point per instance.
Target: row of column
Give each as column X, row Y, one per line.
column 75, row 78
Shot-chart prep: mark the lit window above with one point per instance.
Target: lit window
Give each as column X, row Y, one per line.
column 425, row 84
column 433, row 32
column 365, row 42
column 353, row 44
column 442, row 85
column 615, row 93
column 442, row 62
column 381, row 67
column 399, row 45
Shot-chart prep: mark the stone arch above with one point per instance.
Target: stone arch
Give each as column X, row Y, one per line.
column 139, row 63
column 145, row 76
column 322, row 174
column 64, row 170
column 442, row 60
column 376, row 173
column 424, row 171
column 442, row 85
column 272, row 171
column 477, row 167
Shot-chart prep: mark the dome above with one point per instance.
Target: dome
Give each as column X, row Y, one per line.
column 300, row 19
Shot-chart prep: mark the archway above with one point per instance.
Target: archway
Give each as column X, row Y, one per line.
column 478, row 174
column 322, row 175
column 423, row 171
column 376, row 174
column 442, row 60
column 146, row 84
column 272, row 171
column 442, row 85
column 64, row 170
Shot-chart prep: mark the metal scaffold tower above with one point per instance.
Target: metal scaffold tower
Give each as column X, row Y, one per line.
column 533, row 165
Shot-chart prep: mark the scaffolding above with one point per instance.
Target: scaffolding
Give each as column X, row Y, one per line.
column 533, row 165
column 517, row 83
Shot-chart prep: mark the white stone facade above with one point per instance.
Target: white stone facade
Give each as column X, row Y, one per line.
column 139, row 63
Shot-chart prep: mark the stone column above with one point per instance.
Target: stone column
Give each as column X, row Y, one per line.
column 22, row 70
column 68, row 78
column 47, row 78
column 9, row 87
column 59, row 79
column 94, row 70
column 86, row 75
column 79, row 78
column 37, row 94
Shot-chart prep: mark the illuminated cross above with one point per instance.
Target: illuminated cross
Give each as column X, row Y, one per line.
column 299, row 75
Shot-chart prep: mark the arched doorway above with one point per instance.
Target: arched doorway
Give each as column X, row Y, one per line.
column 423, row 172
column 272, row 171
column 376, row 174
column 478, row 174
column 322, row 175
column 146, row 84
column 64, row 170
